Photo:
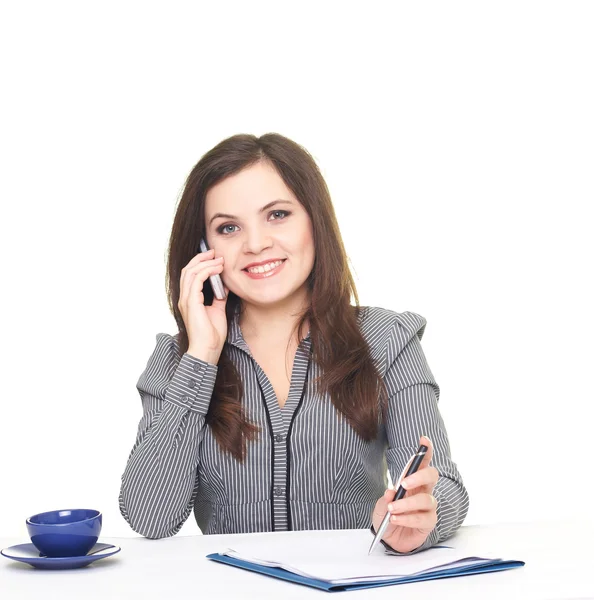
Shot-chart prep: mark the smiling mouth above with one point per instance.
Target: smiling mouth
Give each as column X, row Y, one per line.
column 262, row 271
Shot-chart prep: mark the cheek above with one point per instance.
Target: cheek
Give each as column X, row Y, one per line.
column 298, row 241
column 306, row 240
column 308, row 250
column 309, row 246
column 304, row 247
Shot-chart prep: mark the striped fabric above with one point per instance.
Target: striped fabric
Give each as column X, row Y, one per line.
column 308, row 469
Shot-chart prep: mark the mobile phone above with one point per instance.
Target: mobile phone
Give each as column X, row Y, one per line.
column 215, row 280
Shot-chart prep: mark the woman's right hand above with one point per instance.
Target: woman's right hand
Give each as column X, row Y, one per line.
column 206, row 325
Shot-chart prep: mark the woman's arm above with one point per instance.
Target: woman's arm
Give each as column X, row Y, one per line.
column 159, row 484
column 412, row 412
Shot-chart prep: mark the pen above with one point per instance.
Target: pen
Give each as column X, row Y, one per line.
column 416, row 459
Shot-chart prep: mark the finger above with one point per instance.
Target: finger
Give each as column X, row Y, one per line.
column 393, row 490
column 196, row 285
column 201, row 256
column 425, row 441
column 423, row 477
column 416, row 503
column 197, row 276
column 188, row 270
column 197, row 259
column 420, row 520
column 200, row 276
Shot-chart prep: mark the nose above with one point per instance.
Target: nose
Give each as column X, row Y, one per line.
column 256, row 241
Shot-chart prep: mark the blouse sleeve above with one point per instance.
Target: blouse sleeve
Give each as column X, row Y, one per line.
column 413, row 395
column 159, row 484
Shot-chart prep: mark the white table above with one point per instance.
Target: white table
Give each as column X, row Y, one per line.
column 558, row 555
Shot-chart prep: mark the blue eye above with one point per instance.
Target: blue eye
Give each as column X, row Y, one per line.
column 222, row 227
column 284, row 214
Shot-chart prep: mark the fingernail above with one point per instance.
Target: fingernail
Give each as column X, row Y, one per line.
column 404, row 483
column 390, row 507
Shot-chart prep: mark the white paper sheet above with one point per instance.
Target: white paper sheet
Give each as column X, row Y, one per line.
column 342, row 557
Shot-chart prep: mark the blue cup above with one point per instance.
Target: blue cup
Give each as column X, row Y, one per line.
column 65, row 532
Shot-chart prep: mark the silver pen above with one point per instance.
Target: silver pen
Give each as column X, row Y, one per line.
column 416, row 459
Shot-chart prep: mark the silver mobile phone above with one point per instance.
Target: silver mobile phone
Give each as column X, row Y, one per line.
column 215, row 280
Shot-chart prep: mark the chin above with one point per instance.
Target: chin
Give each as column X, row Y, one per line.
column 269, row 296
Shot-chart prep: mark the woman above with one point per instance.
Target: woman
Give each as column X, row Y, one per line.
column 280, row 406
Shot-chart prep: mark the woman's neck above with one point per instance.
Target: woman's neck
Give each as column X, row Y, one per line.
column 273, row 324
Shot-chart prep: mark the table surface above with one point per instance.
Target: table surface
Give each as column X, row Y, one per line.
column 558, row 555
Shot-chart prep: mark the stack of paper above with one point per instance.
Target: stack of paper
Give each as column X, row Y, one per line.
column 337, row 560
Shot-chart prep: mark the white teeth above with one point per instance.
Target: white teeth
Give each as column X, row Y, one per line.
column 265, row 268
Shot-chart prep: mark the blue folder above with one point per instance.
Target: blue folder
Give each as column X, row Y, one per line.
column 279, row 573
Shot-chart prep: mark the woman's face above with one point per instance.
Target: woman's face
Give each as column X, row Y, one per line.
column 253, row 217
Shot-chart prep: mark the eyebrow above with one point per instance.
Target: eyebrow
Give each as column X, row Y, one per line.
column 269, row 205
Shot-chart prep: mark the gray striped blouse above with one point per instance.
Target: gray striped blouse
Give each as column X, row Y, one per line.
column 308, row 469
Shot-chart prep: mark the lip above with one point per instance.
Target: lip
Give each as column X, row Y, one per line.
column 261, row 263
column 266, row 274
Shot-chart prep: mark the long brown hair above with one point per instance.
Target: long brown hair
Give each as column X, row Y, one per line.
column 348, row 372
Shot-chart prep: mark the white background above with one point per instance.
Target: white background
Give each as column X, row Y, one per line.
column 457, row 142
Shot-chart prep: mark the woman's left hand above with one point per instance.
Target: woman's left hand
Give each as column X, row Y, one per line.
column 414, row 516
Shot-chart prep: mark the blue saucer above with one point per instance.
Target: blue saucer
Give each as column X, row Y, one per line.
column 29, row 554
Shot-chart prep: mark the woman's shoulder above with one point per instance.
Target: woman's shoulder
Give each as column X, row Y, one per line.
column 376, row 320
column 387, row 331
